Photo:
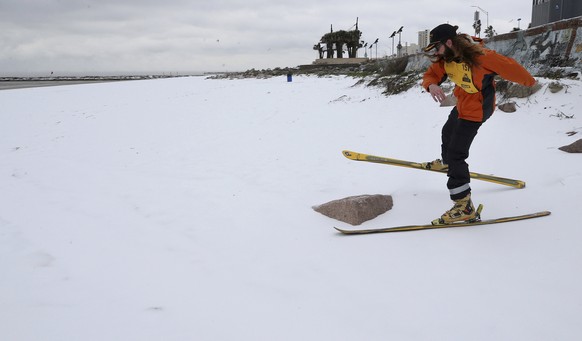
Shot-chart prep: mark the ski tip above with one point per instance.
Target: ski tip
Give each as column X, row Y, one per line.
column 349, row 154
column 352, row 232
column 352, row 155
column 341, row 230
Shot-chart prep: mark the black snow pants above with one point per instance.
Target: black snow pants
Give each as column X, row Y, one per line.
column 457, row 136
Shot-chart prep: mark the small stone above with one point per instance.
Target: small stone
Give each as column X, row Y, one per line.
column 450, row 101
column 507, row 107
column 555, row 87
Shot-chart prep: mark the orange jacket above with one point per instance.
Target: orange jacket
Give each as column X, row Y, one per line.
column 475, row 88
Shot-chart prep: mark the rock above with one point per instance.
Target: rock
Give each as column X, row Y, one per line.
column 575, row 147
column 511, row 90
column 450, row 101
column 507, row 107
column 357, row 209
column 555, row 87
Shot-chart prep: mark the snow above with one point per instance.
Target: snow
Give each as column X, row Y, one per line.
column 181, row 209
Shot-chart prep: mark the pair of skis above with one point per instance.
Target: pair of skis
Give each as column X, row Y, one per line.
column 477, row 176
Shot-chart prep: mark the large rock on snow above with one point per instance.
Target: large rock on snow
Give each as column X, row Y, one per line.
column 357, row 209
column 514, row 90
column 575, row 147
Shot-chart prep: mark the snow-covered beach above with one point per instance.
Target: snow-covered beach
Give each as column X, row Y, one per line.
column 180, row 209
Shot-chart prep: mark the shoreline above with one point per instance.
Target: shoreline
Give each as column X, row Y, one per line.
column 10, row 83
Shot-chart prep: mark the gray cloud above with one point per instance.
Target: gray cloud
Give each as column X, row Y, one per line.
column 179, row 35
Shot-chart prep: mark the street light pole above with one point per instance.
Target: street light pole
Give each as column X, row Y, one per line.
column 486, row 13
column 399, row 47
column 392, row 36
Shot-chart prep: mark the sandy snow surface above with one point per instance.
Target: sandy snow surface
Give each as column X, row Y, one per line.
column 181, row 209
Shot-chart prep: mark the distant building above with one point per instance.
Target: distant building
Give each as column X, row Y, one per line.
column 548, row 11
column 423, row 39
column 410, row 49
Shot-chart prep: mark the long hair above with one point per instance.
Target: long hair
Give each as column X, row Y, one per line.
column 466, row 50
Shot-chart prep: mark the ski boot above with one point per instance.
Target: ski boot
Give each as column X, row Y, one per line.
column 437, row 165
column 462, row 212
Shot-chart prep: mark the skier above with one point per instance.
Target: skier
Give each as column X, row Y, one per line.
column 472, row 67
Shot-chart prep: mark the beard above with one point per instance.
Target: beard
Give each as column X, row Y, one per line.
column 449, row 55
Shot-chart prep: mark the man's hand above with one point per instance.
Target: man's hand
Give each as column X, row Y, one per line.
column 437, row 93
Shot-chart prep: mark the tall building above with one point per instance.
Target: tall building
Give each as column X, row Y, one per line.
column 423, row 38
column 548, row 11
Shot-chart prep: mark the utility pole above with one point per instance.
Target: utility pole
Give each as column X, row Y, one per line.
column 477, row 24
column 484, row 11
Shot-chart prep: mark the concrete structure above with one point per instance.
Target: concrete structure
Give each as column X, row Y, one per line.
column 543, row 50
column 340, row 61
column 554, row 46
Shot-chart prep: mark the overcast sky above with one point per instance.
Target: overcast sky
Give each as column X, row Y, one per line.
column 178, row 36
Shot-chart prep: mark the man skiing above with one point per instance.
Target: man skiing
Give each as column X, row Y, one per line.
column 463, row 59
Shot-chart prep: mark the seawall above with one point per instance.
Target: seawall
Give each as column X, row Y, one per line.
column 555, row 48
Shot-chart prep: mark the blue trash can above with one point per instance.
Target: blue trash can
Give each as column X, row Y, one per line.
column 289, row 77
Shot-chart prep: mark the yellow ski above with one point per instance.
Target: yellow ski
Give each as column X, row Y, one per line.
column 430, row 226
column 394, row 162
